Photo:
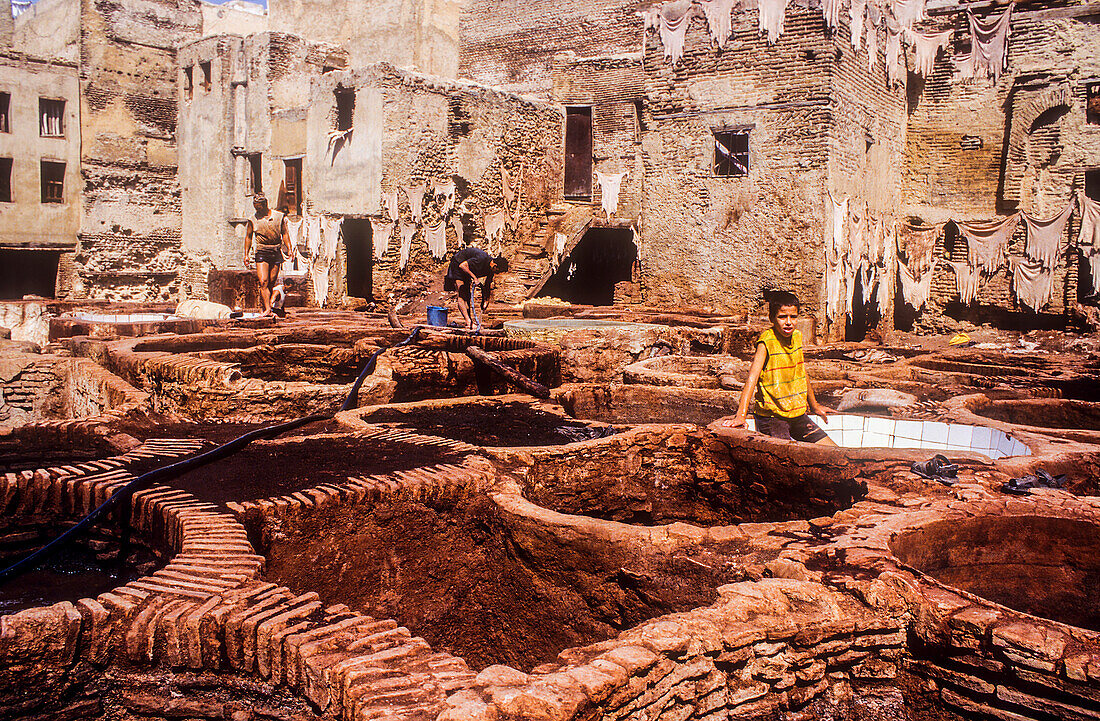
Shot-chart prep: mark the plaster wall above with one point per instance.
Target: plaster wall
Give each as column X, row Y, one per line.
column 27, row 222
column 229, row 20
column 49, row 29
column 418, row 34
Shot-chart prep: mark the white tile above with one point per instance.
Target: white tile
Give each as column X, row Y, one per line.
column 853, row 439
column 959, row 435
column 851, row 423
column 885, row 426
column 933, row 445
column 934, row 432
column 902, row 442
column 1005, row 446
column 908, row 429
column 875, row 440
column 836, row 435
column 980, row 438
column 995, row 438
column 750, row 423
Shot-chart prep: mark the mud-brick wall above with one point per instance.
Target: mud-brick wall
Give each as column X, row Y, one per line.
column 513, row 44
column 129, row 245
column 718, row 241
column 30, row 388
column 978, row 149
column 411, row 129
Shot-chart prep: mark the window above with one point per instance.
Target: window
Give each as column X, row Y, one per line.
column 293, row 184
column 345, row 108
column 205, row 76
column 5, row 180
column 53, row 182
column 188, row 82
column 731, row 152
column 51, row 116
column 254, row 180
column 1092, row 103
column 578, row 153
column 327, row 69
column 1092, row 185
column 5, row 103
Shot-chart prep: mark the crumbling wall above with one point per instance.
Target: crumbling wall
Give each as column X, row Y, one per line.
column 416, row 34
column 978, row 149
column 513, row 44
column 49, row 29
column 719, row 241
column 130, row 233
column 409, row 129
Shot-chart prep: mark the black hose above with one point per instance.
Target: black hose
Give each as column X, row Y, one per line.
column 178, row 468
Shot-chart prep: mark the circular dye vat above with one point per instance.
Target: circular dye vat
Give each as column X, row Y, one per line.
column 1044, row 566
column 852, row 431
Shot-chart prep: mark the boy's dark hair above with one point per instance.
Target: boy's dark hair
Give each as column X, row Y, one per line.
column 501, row 264
column 779, row 298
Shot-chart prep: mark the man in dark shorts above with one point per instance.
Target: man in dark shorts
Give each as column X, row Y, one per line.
column 466, row 266
column 267, row 232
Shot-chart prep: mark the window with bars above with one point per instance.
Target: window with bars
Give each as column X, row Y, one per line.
column 731, row 152
column 53, row 182
column 5, row 103
column 51, row 116
column 5, row 180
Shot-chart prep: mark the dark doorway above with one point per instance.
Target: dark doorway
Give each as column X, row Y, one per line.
column 578, row 153
column 28, row 272
column 588, row 275
column 357, row 243
column 292, row 184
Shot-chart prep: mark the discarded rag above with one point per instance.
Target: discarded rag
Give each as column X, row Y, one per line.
column 831, row 10
column 1044, row 236
column 856, row 12
column 389, row 203
column 1088, row 240
column 966, row 280
column 609, row 191
column 408, row 230
column 436, row 236
column 988, row 46
column 908, row 12
column 675, row 19
column 918, row 242
column 771, row 18
column 718, row 14
column 380, row 234
column 894, row 65
column 987, row 240
column 926, row 46
column 915, row 291
column 415, row 194
column 447, row 190
column 1033, row 283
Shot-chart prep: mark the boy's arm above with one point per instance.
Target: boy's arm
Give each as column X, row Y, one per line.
column 749, row 388
column 811, row 400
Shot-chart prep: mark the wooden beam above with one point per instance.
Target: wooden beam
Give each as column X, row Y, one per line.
column 513, row 376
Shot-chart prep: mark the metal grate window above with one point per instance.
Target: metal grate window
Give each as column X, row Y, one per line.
column 731, row 152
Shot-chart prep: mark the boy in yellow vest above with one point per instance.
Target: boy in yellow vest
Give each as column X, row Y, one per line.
column 778, row 376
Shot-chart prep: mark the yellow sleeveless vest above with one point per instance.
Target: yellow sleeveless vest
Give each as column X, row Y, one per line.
column 782, row 388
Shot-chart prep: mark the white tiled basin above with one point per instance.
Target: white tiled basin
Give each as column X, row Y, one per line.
column 853, row 431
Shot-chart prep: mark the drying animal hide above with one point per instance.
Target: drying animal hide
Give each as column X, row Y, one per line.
column 875, row 234
column 988, row 46
column 836, row 247
column 1088, row 240
column 1044, row 236
column 872, row 44
column 857, row 241
column 719, row 20
column 415, row 194
column 331, row 229
column 834, row 276
column 408, row 230
column 867, row 280
column 889, row 266
column 436, row 235
column 447, row 190
column 506, row 187
column 609, row 191
column 831, row 10
column 1033, row 284
column 987, row 240
column 966, row 281
column 908, row 12
column 771, row 18
column 380, row 234
column 918, row 243
column 856, row 12
column 460, row 229
column 514, row 220
column 874, row 399
column 494, row 228
column 926, row 47
column 675, row 19
column 389, row 203
column 915, row 291
column 849, row 286
column 322, row 261
column 895, row 68
column 312, row 229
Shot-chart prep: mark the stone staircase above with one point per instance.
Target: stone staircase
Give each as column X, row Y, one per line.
column 534, row 260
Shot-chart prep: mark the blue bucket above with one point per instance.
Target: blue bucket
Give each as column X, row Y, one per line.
column 437, row 316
